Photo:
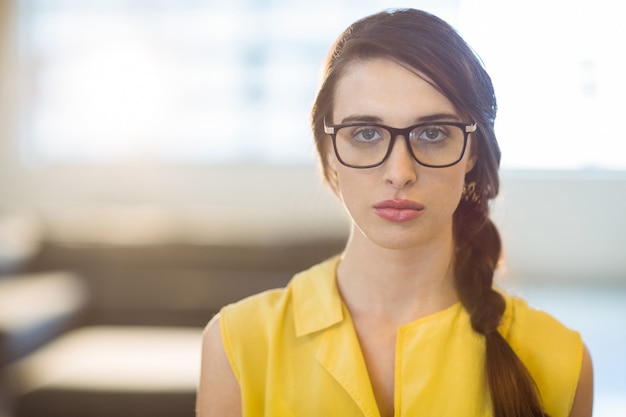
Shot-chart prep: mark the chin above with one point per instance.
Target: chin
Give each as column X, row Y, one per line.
column 396, row 241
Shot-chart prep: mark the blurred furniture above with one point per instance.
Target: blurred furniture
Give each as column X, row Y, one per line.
column 137, row 352
column 178, row 284
column 106, row 371
column 35, row 309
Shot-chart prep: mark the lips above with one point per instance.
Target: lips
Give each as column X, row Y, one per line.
column 399, row 210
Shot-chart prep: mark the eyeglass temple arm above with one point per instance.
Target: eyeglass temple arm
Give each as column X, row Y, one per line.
column 329, row 130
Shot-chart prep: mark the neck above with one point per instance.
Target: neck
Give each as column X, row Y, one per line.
column 401, row 285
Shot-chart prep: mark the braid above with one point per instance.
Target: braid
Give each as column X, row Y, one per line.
column 513, row 391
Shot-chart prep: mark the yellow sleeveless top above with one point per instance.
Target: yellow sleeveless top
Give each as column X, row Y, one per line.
column 294, row 352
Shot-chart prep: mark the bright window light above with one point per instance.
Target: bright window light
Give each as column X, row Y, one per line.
column 558, row 68
column 189, row 82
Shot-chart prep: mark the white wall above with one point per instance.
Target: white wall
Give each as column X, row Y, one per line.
column 565, row 226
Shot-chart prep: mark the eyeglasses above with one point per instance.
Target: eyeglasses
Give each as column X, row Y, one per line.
column 367, row 145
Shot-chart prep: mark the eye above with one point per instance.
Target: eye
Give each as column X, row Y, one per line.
column 367, row 133
column 429, row 133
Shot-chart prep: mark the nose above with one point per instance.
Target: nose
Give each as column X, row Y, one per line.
column 400, row 167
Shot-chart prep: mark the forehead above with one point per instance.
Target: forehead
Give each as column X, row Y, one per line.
column 384, row 89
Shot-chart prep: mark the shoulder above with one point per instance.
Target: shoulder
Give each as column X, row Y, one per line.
column 234, row 347
column 218, row 389
column 538, row 337
column 531, row 327
column 252, row 315
column 552, row 352
column 263, row 328
column 305, row 293
column 281, row 312
column 261, row 303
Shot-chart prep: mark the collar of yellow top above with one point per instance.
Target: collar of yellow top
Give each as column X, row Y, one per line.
column 318, row 305
column 316, row 300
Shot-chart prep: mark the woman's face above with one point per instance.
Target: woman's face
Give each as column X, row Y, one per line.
column 399, row 204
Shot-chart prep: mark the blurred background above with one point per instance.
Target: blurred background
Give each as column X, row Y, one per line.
column 156, row 163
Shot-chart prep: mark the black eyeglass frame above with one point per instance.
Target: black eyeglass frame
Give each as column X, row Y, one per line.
column 467, row 128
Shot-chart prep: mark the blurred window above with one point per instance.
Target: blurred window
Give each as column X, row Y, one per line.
column 202, row 82
column 558, row 69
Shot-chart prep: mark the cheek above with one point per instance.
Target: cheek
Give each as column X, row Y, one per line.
column 345, row 183
column 352, row 188
column 447, row 188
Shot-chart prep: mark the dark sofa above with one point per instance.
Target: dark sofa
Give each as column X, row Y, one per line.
column 130, row 343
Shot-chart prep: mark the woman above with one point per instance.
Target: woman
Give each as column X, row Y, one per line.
column 406, row 321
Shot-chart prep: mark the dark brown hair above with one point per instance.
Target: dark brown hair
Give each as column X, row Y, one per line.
column 432, row 47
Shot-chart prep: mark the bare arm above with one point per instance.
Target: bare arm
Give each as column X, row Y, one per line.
column 218, row 390
column 583, row 401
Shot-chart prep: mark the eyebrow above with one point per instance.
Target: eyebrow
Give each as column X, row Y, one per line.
column 436, row 117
